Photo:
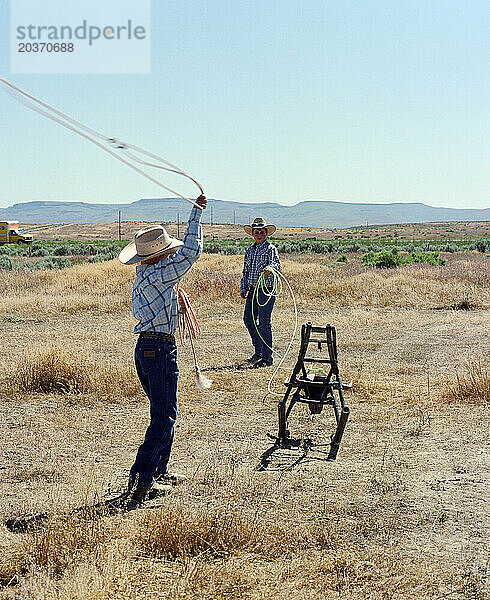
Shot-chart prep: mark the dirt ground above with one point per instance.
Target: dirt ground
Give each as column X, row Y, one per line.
column 405, row 456
column 404, row 507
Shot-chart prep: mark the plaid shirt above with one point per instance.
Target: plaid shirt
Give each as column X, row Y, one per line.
column 154, row 297
column 257, row 257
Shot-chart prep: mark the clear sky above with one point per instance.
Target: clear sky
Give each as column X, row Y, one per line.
column 274, row 100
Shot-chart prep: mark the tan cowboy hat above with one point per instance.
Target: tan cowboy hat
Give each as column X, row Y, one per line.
column 259, row 223
column 148, row 242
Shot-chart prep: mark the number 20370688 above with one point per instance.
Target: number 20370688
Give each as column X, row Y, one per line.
column 45, row 47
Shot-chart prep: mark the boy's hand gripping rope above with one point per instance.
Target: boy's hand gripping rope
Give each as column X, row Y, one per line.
column 187, row 318
column 270, row 292
column 99, row 140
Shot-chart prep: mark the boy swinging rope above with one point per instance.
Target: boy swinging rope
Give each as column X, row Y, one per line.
column 162, row 261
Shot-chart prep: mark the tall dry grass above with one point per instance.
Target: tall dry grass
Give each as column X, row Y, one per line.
column 55, row 370
column 214, row 279
column 180, row 532
column 471, row 385
column 314, row 281
column 66, row 540
column 102, row 287
column 56, row 546
column 187, row 549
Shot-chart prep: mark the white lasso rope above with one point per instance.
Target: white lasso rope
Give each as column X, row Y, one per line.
column 261, row 283
column 97, row 138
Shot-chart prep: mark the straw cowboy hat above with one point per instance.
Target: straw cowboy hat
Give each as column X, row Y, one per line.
column 148, row 242
column 259, row 223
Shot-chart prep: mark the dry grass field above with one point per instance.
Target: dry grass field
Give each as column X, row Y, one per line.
column 401, row 514
column 459, row 230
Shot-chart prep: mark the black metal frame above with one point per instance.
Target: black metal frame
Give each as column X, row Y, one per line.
column 316, row 390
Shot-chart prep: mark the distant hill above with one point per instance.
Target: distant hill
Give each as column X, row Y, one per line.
column 312, row 213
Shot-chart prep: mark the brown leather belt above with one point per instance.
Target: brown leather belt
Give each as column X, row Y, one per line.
column 157, row 335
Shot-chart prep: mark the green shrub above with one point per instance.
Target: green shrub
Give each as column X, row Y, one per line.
column 39, row 251
column 5, row 263
column 223, row 247
column 449, row 248
column 431, row 258
column 15, row 250
column 25, row 265
column 53, row 262
column 383, row 260
column 393, row 258
column 342, row 258
column 63, row 250
column 110, row 249
column 482, row 245
column 101, row 257
column 338, row 246
column 87, row 249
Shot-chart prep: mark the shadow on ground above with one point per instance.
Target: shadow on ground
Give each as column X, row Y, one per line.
column 110, row 506
column 239, row 366
column 288, row 454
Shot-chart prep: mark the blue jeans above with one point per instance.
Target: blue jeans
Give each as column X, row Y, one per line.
column 260, row 310
column 156, row 365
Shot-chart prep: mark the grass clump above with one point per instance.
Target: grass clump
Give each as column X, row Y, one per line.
column 472, row 386
column 53, row 370
column 13, row 561
column 66, row 539
column 177, row 532
column 50, row 370
column 58, row 543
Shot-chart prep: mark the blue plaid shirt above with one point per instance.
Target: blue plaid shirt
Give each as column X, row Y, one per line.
column 257, row 258
column 154, row 297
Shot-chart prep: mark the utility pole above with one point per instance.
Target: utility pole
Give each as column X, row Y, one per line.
column 234, row 217
column 212, row 216
column 178, row 225
column 119, row 224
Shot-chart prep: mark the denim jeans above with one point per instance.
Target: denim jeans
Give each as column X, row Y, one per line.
column 260, row 310
column 156, row 365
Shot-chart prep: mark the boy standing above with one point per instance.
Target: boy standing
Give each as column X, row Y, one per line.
column 258, row 306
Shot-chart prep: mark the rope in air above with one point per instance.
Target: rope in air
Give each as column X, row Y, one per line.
column 271, row 291
column 127, row 154
column 129, row 151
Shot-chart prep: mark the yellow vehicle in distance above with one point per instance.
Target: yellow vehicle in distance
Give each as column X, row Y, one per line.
column 10, row 234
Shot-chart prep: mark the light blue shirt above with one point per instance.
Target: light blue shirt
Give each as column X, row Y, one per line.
column 154, row 299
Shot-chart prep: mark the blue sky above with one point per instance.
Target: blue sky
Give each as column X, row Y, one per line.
column 277, row 100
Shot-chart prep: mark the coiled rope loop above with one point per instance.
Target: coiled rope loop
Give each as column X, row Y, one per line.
column 187, row 317
column 271, row 290
column 188, row 320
